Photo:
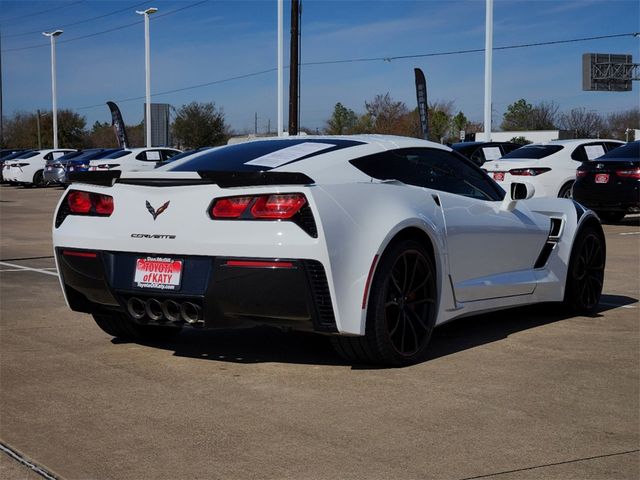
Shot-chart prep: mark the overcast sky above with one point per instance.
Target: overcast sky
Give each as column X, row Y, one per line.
column 204, row 42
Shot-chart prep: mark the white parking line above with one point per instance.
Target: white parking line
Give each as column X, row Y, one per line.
column 630, row 233
column 29, row 269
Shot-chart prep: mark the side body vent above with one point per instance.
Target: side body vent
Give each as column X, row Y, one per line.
column 555, row 230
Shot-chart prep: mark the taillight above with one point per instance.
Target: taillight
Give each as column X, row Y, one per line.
column 79, row 202
column 89, row 203
column 633, row 173
column 528, row 172
column 267, row 207
column 278, row 206
column 103, row 204
column 581, row 173
column 230, row 207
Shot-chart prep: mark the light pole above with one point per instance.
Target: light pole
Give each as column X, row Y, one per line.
column 280, row 65
column 54, row 101
column 147, row 68
column 488, row 66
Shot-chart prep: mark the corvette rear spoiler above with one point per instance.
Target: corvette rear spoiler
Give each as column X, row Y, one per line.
column 164, row 179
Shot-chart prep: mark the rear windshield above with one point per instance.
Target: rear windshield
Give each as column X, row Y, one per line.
column 69, row 156
column 13, row 155
column 118, row 154
column 630, row 151
column 28, row 155
column 534, row 151
column 259, row 155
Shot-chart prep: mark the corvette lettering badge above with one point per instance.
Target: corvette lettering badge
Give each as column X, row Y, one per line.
column 155, row 213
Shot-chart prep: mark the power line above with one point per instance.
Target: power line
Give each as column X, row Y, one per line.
column 33, row 32
column 191, row 87
column 355, row 60
column 474, row 50
column 12, row 19
column 102, row 32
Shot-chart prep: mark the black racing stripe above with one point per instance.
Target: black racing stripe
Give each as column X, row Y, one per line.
column 235, row 158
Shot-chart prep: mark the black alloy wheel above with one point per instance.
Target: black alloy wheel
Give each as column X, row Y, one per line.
column 401, row 309
column 410, row 299
column 586, row 271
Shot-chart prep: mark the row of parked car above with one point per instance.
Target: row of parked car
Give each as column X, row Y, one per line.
column 53, row 166
column 603, row 175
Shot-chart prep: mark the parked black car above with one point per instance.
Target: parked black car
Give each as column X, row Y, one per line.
column 610, row 184
column 480, row 152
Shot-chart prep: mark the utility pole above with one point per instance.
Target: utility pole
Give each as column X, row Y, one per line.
column 255, row 124
column 38, row 127
column 293, row 69
column 269, row 127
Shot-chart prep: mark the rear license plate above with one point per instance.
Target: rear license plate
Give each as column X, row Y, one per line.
column 498, row 176
column 602, row 177
column 158, row 273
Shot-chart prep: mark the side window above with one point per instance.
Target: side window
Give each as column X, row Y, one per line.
column 612, row 145
column 149, row 156
column 167, row 154
column 431, row 168
column 588, row 152
column 477, row 157
column 449, row 173
column 48, row 156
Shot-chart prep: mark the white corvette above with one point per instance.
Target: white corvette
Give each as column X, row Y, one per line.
column 374, row 240
column 550, row 167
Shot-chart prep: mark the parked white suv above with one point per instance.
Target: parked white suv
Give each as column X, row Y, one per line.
column 550, row 166
column 133, row 159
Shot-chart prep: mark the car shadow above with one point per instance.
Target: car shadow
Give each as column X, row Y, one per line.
column 266, row 344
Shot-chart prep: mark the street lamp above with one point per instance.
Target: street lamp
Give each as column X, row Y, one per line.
column 52, row 36
column 147, row 68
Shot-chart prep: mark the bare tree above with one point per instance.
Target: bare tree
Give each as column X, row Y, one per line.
column 619, row 122
column 544, row 116
column 585, row 123
column 386, row 114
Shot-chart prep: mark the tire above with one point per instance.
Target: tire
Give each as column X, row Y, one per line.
column 611, row 217
column 585, row 275
column 566, row 191
column 119, row 325
column 402, row 310
column 38, row 179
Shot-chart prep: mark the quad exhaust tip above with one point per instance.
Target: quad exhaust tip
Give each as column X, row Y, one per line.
column 190, row 312
column 169, row 310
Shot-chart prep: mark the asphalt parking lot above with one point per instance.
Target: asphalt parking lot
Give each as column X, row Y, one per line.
column 527, row 393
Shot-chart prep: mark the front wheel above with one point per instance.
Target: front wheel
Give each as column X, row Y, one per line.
column 402, row 309
column 585, row 275
column 121, row 326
